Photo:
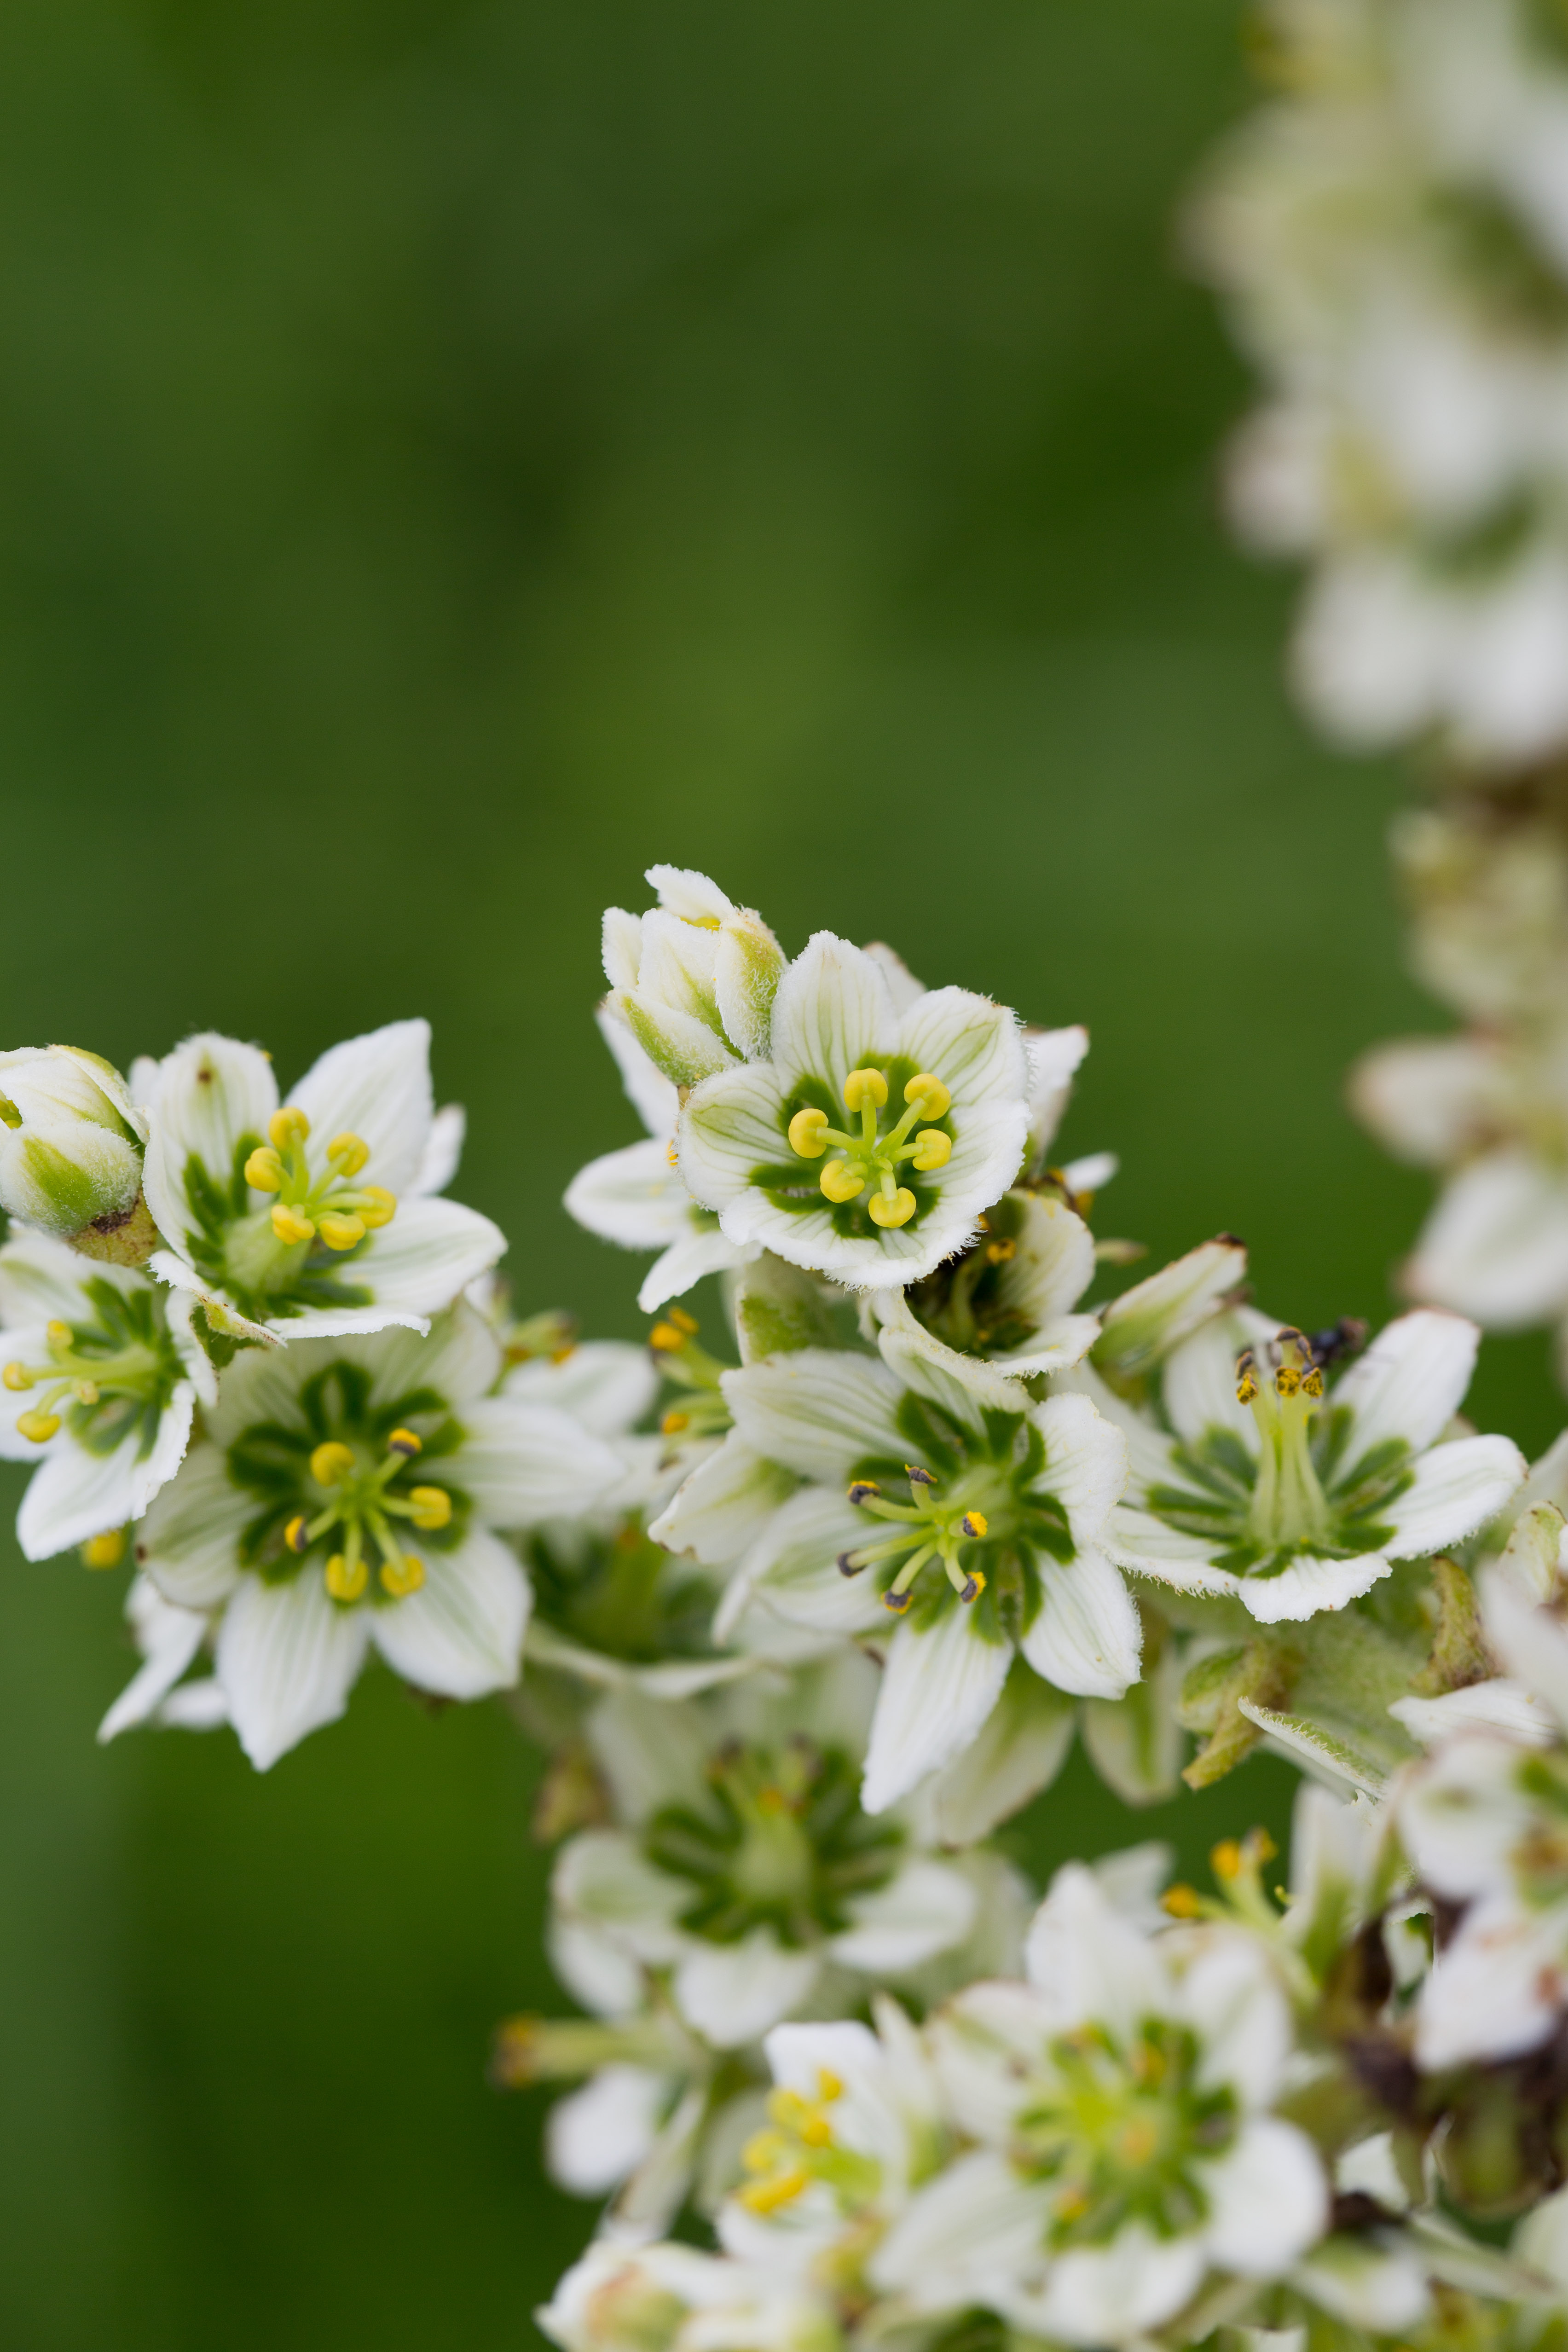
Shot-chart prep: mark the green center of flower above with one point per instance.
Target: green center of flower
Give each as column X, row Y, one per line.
column 781, row 1843
column 109, row 1378
column 340, row 1488
column 870, row 1162
column 1307, row 1489
column 278, row 1260
column 625, row 1597
column 1118, row 2129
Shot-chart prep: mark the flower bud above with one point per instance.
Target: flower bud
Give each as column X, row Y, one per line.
column 71, row 1150
column 1139, row 1329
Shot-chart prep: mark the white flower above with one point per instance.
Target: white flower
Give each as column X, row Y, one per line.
column 344, row 1495
column 673, row 2298
column 170, row 1640
column 70, row 1150
column 637, row 1197
column 106, row 1375
column 744, row 1868
column 694, row 981
column 1121, row 2103
column 317, row 1217
column 937, row 1101
column 1260, row 1481
column 995, row 1551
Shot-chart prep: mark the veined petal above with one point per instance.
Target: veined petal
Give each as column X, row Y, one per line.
column 75, row 1493
column 524, row 1462
column 1496, row 1704
column 412, row 1268
column 1053, row 1056
column 1410, row 1382
column 606, row 1384
column 692, row 896
column 1137, row 1540
column 684, row 1263
column 1455, row 1489
column 926, row 1908
column 974, row 1046
column 1085, row 1463
column 41, row 1280
column 960, row 1384
column 632, row 1196
column 287, row 1658
column 733, row 1992
column 461, row 1634
column 1087, row 1637
column 1268, row 2199
column 937, row 1688
column 1310, row 1585
column 1021, row 1748
column 378, row 1087
column 681, row 1045
column 656, row 1100
column 1103, row 2294
column 833, row 1012
column 819, row 1410
column 169, row 1638
column 189, row 1541
column 649, row 1757
column 211, row 1091
column 443, row 1150
column 1199, row 1388
column 791, row 1571
column 725, row 1505
column 1496, row 1245
column 732, row 1123
column 1528, row 1641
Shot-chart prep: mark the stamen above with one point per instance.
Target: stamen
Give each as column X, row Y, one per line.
column 296, row 1534
column 331, row 1463
column 932, row 1098
column 17, row 1376
column 402, row 1576
column 431, row 1508
column 933, row 1149
column 106, row 1550
column 287, row 1127
column 289, row 1225
column 665, row 1340
column 766, row 2196
column 852, row 1563
column 349, row 1153
column 264, row 1170
column 338, row 1233
column 842, row 1181
column 863, row 1489
column 916, row 1475
column 673, row 1423
column 898, row 1602
column 807, row 1137
column 404, row 1442
column 346, row 1578
column 375, row 1205
column 864, row 1088
column 894, row 1212
column 973, row 1586
column 684, row 1322
column 975, row 1523
column 38, row 1426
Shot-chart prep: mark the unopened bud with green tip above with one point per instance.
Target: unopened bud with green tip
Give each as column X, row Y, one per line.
column 71, row 1141
column 1141, row 1328
column 693, row 978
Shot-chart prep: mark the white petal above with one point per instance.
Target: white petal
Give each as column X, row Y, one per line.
column 75, row 1493
column 377, row 1088
column 1233, row 2002
column 733, row 1992
column 732, row 1124
column 938, row 1689
column 211, row 1092
column 1461, row 1814
column 1092, row 1173
column 1496, row 1245
column 461, row 1634
column 975, row 1046
column 649, row 1756
column 1200, row 1389
column 1410, row 1382
column 975, row 2223
column 1021, row 1748
column 1085, row 1463
column 684, row 892
column 1429, row 1100
column 189, row 1541
column 198, row 1705
column 684, row 1264
column 791, row 1570
column 1528, row 1641
column 443, row 1150
column 606, row 1384
column 833, row 1013
column 919, row 1360
column 1455, row 1489
column 1268, row 2199
column 1378, row 2284
column 902, row 985
column 524, row 1462
column 595, row 2136
column 41, row 1280
column 601, row 1881
column 1087, row 1637
column 169, row 1639
column 819, row 1410
column 725, row 1505
column 1309, row 1585
column 1053, row 1057
column 632, row 1196
column 1103, row 2294
column 925, row 1909
column 287, row 1658
column 1137, row 1540
column 412, row 1268
column 1159, row 1313
column 602, row 1975
column 1087, row 1963
column 655, row 1099
column 1496, row 1704
column 1496, row 1989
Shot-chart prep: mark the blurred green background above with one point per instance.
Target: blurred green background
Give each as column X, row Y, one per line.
column 450, row 455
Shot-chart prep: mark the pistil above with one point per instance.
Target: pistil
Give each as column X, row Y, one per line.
column 326, row 1206
column 871, row 1159
column 1288, row 1507
column 922, row 1529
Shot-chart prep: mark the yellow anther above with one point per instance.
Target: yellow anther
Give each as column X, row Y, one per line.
column 762, row 2151
column 340, row 1233
column 933, row 1149
column 404, row 1442
column 431, row 1508
column 38, row 1426
column 934, row 1099
column 1287, row 1380
column 58, row 1335
column 348, row 1153
column 998, row 1253
column 330, row 1462
column 377, row 1206
column 1181, row 1902
column 805, row 1134
column 16, row 1376
column 767, row 2196
column 863, row 1489
column 683, row 1322
column 1246, row 1389
column 975, row 1523
column 673, row 1423
column 665, row 1339
column 786, row 2108
column 864, row 1087
column 1312, row 1382
column 296, row 1534
column 264, row 1170
column 1226, row 1859
column 345, row 1582
column 106, row 1550
column 289, row 1225
column 975, row 1587
column 288, row 1125
column 671, row 1155
column 897, row 1211
column 843, row 1180
column 816, row 2131
column 829, row 2086
column 405, row 1577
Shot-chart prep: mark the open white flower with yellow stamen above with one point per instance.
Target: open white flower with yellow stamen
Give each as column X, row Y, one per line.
column 692, row 981
column 672, row 2298
column 637, row 1196
column 745, row 1872
column 1121, row 2103
column 1255, row 1477
column 969, row 1528
column 299, row 1220
column 867, row 1144
column 344, row 1496
column 103, row 1377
